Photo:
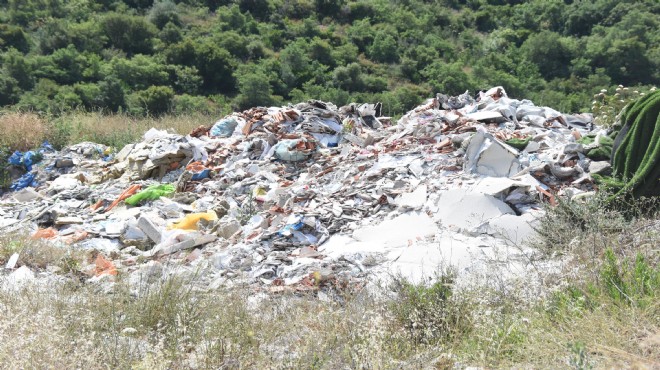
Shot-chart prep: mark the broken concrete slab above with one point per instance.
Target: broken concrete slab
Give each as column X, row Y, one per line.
column 488, row 116
column 397, row 231
column 489, row 156
column 27, row 195
column 514, row 230
column 413, row 200
column 20, row 278
column 150, row 229
column 74, row 220
column 227, row 229
column 467, row 210
column 190, row 240
column 134, row 236
column 600, row 167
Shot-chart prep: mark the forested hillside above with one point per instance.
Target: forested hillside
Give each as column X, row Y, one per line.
column 152, row 57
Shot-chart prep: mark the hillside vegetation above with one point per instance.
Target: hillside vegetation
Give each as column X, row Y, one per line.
column 153, row 57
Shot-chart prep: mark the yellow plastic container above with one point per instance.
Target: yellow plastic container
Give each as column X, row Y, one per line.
column 190, row 221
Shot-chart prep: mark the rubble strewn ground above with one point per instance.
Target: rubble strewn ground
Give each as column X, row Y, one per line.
column 306, row 199
column 271, row 196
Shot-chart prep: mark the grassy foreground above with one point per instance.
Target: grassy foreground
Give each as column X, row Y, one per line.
column 601, row 311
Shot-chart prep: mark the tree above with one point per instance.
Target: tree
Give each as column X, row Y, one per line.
column 448, row 78
column 9, row 90
column 139, row 72
column 549, row 52
column 111, row 94
column 13, row 36
column 349, row 77
column 155, row 100
column 164, row 12
column 216, row 66
column 131, row 34
column 384, row 48
column 328, row 8
column 170, row 34
column 254, row 88
column 294, row 65
column 321, row 51
column 260, row 9
column 19, row 67
column 361, row 33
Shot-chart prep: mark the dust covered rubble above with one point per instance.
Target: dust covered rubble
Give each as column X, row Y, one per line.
column 311, row 195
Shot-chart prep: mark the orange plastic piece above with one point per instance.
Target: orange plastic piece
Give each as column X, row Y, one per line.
column 190, row 221
column 104, row 266
column 97, row 205
column 123, row 196
column 48, row 233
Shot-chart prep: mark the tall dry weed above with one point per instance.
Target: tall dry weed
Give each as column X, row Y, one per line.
column 22, row 131
column 118, row 129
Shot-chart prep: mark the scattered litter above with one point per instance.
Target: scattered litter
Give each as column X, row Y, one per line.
column 310, row 193
column 153, row 192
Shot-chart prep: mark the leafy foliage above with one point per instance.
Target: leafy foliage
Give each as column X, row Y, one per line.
column 104, row 54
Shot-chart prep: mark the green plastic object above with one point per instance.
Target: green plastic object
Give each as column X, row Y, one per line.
column 636, row 151
column 151, row 193
column 519, row 144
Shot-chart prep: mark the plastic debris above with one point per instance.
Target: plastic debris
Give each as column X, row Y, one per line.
column 303, row 194
column 153, row 192
column 124, row 195
column 294, row 150
column 224, row 127
column 190, row 221
column 26, row 159
column 29, row 179
column 637, row 147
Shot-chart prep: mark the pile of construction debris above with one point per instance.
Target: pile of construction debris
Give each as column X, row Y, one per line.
column 310, row 195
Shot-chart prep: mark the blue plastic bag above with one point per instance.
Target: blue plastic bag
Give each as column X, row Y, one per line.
column 294, row 223
column 46, row 147
column 201, row 175
column 26, row 159
column 24, row 181
column 224, row 127
column 16, row 158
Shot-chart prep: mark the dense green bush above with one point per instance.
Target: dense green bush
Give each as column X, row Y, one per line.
column 155, row 100
column 105, row 54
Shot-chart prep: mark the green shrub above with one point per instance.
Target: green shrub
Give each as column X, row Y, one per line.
column 634, row 283
column 188, row 104
column 155, row 100
column 431, row 314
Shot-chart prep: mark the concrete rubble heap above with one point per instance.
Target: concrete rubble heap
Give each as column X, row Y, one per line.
column 310, row 194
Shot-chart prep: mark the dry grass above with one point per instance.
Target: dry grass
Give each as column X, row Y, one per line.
column 39, row 254
column 172, row 326
column 118, row 129
column 606, row 314
column 22, row 131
